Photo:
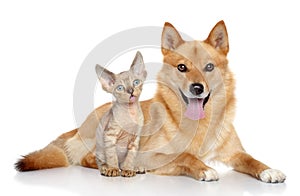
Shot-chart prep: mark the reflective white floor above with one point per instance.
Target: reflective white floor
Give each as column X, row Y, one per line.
column 84, row 181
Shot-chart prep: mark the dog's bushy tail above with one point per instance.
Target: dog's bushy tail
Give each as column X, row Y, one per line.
column 52, row 156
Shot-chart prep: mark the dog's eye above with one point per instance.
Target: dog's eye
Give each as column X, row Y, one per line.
column 209, row 67
column 182, row 67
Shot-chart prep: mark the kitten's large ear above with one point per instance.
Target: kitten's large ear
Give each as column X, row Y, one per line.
column 138, row 66
column 106, row 78
column 218, row 38
column 170, row 38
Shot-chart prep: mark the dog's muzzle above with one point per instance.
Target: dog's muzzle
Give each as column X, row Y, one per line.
column 195, row 106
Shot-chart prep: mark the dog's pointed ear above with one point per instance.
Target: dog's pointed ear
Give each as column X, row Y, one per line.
column 107, row 78
column 218, row 38
column 170, row 39
column 138, row 66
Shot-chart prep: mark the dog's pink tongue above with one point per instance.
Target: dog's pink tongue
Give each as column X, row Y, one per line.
column 194, row 109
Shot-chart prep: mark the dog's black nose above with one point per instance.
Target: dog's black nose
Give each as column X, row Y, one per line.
column 196, row 88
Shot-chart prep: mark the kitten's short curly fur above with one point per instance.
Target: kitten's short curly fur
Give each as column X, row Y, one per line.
column 118, row 133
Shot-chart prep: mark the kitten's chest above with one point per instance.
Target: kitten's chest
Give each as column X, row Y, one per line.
column 127, row 124
column 136, row 114
column 125, row 138
column 123, row 143
column 130, row 120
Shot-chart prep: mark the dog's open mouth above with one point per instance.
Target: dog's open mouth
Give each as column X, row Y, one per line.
column 195, row 106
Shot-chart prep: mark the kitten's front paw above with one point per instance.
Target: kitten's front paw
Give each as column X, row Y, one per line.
column 128, row 173
column 109, row 171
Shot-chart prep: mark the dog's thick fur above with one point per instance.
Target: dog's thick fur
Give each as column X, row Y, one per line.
column 172, row 143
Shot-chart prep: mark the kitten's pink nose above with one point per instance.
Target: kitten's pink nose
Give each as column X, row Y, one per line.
column 130, row 91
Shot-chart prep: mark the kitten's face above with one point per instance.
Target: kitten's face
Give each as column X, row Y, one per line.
column 125, row 86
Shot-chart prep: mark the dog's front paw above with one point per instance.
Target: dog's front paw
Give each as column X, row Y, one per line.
column 109, row 171
column 272, row 176
column 140, row 170
column 128, row 173
column 209, row 175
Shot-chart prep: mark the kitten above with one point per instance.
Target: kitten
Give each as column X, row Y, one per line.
column 118, row 133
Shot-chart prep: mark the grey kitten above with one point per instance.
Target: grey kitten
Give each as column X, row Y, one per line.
column 118, row 133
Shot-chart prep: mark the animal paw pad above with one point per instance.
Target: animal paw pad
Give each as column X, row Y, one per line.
column 128, row 173
column 110, row 172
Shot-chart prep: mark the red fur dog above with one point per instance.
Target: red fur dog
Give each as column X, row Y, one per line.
column 188, row 121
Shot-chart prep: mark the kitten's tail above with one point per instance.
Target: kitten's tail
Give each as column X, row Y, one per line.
column 53, row 155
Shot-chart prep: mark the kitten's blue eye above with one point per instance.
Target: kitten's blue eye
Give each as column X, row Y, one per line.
column 120, row 88
column 136, row 82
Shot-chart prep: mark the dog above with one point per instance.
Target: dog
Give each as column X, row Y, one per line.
column 187, row 123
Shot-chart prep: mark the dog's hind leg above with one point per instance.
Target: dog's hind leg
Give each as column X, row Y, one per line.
column 188, row 165
column 89, row 161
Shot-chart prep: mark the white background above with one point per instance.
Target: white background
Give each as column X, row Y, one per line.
column 43, row 44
